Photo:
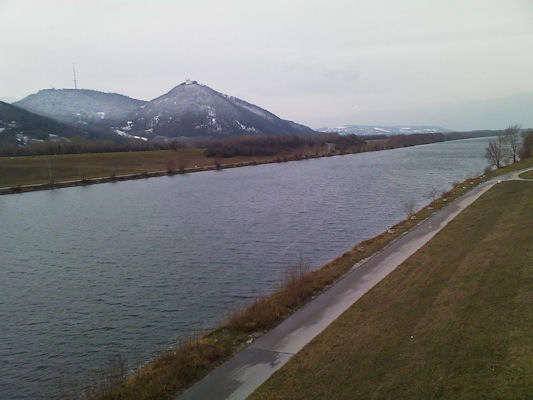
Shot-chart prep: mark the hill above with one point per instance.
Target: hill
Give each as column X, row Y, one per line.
column 81, row 107
column 189, row 110
column 192, row 110
column 21, row 127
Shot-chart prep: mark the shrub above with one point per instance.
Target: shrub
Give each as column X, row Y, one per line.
column 527, row 145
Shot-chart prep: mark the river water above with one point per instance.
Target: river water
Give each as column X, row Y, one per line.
column 127, row 268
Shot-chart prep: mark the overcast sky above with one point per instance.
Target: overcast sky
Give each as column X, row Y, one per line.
column 320, row 63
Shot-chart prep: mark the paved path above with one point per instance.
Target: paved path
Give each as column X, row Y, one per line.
column 514, row 176
column 240, row 376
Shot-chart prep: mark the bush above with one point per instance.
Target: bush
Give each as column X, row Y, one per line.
column 527, row 145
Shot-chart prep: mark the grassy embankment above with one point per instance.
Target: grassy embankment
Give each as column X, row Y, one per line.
column 173, row 371
column 527, row 175
column 454, row 321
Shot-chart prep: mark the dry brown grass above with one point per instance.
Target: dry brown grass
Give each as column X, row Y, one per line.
column 167, row 374
column 299, row 285
column 32, row 170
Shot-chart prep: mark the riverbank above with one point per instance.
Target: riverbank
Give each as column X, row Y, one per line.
column 32, row 173
column 28, row 173
column 175, row 370
column 452, row 321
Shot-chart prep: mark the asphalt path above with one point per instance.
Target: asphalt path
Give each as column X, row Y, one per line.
column 248, row 369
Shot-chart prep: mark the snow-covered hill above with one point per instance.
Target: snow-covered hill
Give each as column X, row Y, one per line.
column 188, row 110
column 80, row 107
column 22, row 127
column 191, row 109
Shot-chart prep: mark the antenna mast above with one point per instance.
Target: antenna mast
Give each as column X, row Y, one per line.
column 74, row 73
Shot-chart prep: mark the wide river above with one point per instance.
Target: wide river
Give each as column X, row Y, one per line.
column 127, row 268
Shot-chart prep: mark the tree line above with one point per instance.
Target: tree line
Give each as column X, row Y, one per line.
column 272, row 145
column 262, row 145
column 79, row 145
column 414, row 139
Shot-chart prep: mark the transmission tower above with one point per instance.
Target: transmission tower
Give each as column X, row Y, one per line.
column 74, row 73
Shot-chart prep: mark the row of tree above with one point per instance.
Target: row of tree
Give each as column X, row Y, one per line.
column 273, row 145
column 500, row 151
column 506, row 147
column 78, row 145
column 414, row 139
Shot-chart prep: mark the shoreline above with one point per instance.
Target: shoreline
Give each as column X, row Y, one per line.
column 174, row 369
column 248, row 369
column 409, row 314
column 213, row 167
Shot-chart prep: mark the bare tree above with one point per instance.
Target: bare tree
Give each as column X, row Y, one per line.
column 432, row 194
column 409, row 207
column 495, row 152
column 511, row 134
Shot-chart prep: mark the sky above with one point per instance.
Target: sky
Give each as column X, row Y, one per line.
column 458, row 64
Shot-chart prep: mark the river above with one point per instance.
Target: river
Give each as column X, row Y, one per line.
column 128, row 267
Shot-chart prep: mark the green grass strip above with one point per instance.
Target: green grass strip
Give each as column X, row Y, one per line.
column 526, row 175
column 454, row 321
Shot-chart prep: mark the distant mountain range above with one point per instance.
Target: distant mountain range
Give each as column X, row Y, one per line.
column 370, row 130
column 192, row 110
column 188, row 110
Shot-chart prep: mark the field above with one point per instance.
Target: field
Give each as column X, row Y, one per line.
column 16, row 171
column 453, row 321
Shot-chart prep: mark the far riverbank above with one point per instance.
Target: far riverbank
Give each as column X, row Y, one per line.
column 32, row 173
